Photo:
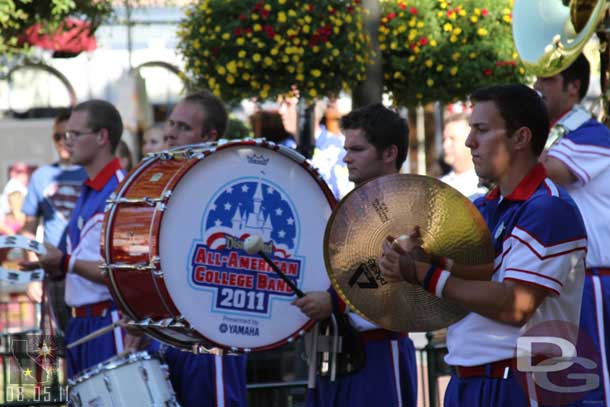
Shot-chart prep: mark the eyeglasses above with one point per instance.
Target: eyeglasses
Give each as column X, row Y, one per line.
column 71, row 135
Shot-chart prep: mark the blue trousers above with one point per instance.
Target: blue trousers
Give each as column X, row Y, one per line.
column 485, row 392
column 207, row 380
column 96, row 350
column 595, row 324
column 379, row 383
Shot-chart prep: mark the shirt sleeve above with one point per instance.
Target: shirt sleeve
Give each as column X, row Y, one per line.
column 31, row 203
column 585, row 152
column 548, row 239
column 89, row 245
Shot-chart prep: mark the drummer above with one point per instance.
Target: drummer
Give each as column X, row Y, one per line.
column 93, row 132
column 202, row 380
column 376, row 144
column 540, row 243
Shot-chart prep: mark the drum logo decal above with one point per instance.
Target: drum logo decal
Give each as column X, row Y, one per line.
column 243, row 283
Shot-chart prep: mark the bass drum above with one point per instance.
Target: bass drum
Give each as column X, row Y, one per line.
column 173, row 244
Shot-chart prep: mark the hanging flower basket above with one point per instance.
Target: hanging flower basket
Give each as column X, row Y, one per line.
column 253, row 48
column 441, row 50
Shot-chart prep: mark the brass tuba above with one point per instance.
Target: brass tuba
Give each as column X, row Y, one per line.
column 550, row 34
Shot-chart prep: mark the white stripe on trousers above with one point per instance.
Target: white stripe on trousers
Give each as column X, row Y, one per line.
column 220, row 391
column 395, row 361
column 601, row 332
column 118, row 335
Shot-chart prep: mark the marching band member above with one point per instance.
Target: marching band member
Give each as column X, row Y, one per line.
column 93, row 132
column 540, row 245
column 376, row 142
column 580, row 162
column 203, row 380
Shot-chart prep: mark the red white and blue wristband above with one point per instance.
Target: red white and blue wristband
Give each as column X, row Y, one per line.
column 435, row 280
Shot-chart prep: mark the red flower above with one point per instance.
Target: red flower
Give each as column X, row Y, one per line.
column 413, row 10
column 423, row 41
column 237, row 31
column 450, row 13
column 350, row 9
column 312, row 7
column 269, row 31
column 391, row 16
column 484, row 12
column 402, row 6
column 248, row 30
column 265, row 13
column 243, row 17
column 487, row 72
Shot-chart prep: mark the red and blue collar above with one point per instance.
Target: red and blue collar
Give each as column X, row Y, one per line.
column 527, row 186
column 102, row 178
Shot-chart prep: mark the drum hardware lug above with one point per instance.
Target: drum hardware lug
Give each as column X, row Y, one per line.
column 135, row 267
column 104, row 269
column 157, row 273
column 143, row 323
column 108, row 384
column 75, row 400
column 164, row 156
column 144, row 373
column 146, row 200
column 160, row 206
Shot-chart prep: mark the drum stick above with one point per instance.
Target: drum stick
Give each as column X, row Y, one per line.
column 254, row 244
column 94, row 334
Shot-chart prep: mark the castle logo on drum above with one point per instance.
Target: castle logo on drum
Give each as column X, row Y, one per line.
column 257, row 159
column 242, row 283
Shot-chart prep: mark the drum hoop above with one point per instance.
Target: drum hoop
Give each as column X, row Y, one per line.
column 111, row 364
column 309, row 169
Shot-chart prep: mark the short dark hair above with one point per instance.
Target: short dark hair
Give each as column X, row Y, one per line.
column 382, row 128
column 579, row 70
column 63, row 114
column 519, row 106
column 214, row 111
column 103, row 115
column 268, row 124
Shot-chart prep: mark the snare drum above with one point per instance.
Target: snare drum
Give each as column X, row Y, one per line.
column 134, row 380
column 173, row 244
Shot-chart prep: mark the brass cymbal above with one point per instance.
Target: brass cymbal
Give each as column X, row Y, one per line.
column 393, row 205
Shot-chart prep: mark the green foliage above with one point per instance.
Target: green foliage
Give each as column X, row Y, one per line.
column 444, row 49
column 16, row 16
column 237, row 129
column 265, row 48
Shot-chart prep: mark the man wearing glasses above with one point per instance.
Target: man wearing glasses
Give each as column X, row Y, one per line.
column 93, row 132
column 52, row 193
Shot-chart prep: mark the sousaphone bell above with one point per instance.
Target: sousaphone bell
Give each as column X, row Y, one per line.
column 550, row 34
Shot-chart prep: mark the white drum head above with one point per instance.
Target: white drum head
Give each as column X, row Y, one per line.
column 232, row 298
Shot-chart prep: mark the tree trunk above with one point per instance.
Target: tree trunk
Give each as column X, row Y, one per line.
column 371, row 89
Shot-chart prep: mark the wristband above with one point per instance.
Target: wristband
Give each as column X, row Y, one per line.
column 435, row 280
column 428, row 276
column 65, row 263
